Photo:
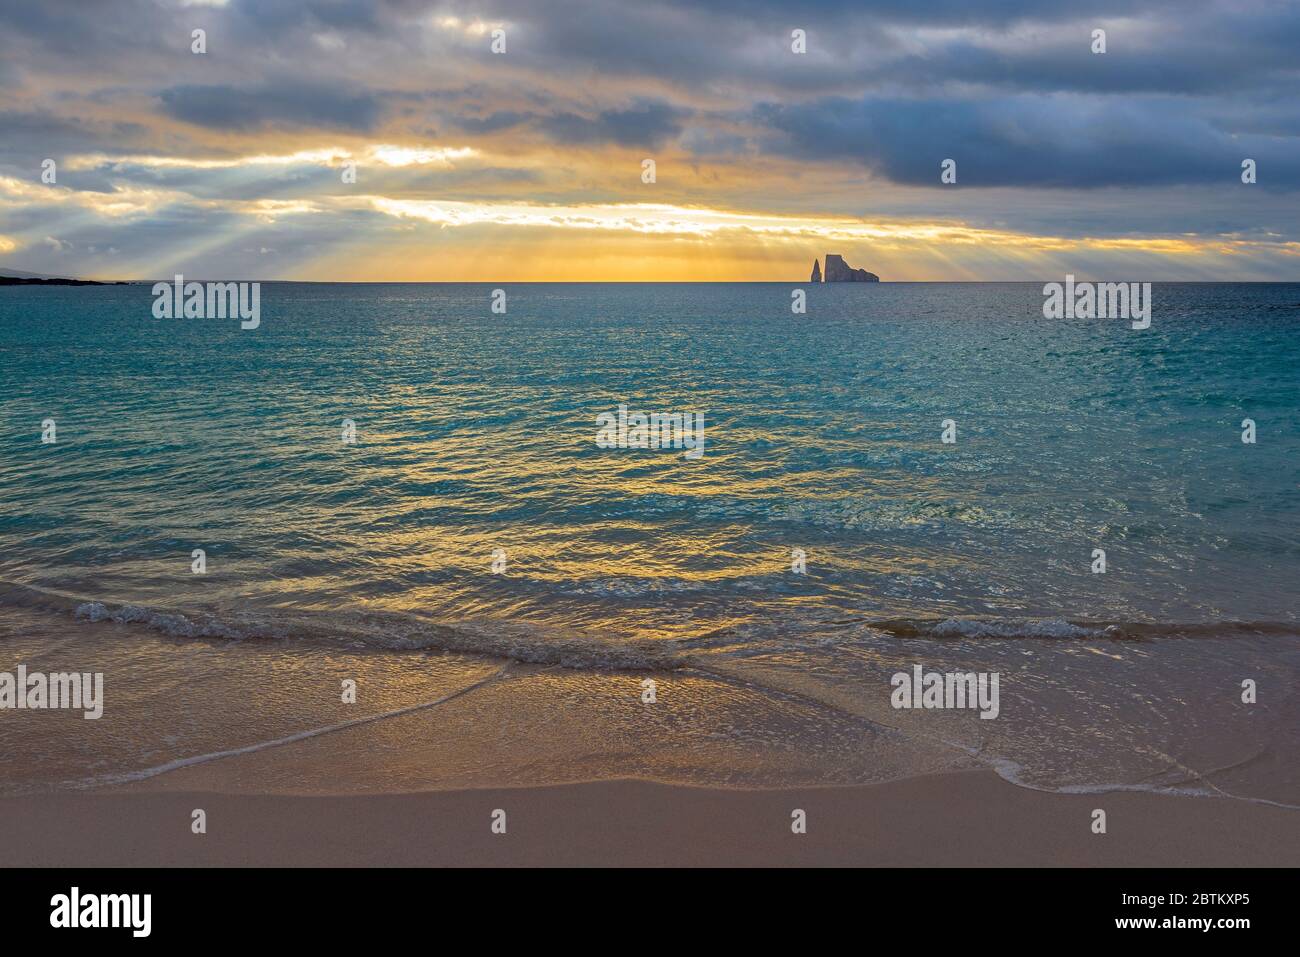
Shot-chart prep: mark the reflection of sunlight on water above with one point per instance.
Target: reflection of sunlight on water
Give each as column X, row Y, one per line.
column 476, row 432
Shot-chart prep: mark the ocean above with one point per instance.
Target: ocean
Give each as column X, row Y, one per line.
column 518, row 603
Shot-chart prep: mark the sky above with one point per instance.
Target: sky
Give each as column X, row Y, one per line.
column 529, row 164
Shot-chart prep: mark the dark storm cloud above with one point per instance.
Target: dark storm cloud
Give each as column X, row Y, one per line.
column 639, row 124
column 1066, row 142
column 1184, row 92
column 71, row 26
column 646, row 124
column 28, row 138
column 975, row 68
column 282, row 104
column 493, row 123
column 827, row 14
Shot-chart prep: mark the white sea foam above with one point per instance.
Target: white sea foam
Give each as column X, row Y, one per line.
column 534, row 644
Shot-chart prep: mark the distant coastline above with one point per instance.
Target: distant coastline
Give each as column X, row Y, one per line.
column 24, row 281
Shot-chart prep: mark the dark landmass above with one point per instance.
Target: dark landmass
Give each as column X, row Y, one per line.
column 23, row 281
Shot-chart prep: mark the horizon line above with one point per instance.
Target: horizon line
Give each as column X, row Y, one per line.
column 55, row 280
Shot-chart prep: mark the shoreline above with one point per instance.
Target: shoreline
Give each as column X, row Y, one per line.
column 964, row 818
column 264, row 720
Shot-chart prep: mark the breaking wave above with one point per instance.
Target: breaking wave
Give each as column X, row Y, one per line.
column 392, row 631
column 545, row 644
column 1067, row 629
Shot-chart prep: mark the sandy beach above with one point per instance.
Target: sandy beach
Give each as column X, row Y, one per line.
column 960, row 819
column 585, row 771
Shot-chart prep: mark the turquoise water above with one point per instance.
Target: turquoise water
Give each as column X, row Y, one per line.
column 476, row 432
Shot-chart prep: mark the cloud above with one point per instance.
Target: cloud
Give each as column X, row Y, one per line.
column 647, row 124
column 493, row 123
column 282, row 103
column 1057, row 141
column 162, row 150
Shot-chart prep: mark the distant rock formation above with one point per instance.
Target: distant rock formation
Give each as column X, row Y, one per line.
column 837, row 270
column 817, row 271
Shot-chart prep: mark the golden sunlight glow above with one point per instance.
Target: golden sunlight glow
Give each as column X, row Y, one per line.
column 303, row 157
column 332, row 156
column 652, row 219
column 672, row 220
column 123, row 201
column 470, row 28
column 521, row 240
column 405, row 156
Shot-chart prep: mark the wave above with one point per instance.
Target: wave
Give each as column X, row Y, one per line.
column 1012, row 772
column 400, row 631
column 1191, row 783
column 545, row 644
column 1065, row 628
column 391, row 631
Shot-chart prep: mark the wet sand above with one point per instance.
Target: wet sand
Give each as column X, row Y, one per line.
column 957, row 819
